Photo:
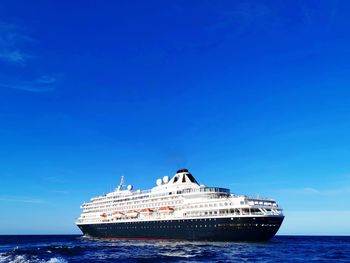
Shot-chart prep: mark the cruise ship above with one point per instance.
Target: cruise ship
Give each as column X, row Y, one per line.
column 180, row 208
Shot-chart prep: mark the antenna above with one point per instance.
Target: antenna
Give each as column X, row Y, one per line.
column 121, row 184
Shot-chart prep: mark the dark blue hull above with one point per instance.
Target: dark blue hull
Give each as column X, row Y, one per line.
column 211, row 229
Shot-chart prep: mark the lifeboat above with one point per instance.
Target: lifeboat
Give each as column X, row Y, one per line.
column 104, row 215
column 166, row 209
column 146, row 211
column 132, row 213
column 118, row 214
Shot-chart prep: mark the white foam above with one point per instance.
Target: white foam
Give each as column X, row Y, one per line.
column 4, row 258
column 19, row 259
column 56, row 260
column 177, row 254
column 23, row 259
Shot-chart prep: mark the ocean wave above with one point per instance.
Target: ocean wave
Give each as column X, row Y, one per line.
column 65, row 250
column 40, row 250
column 176, row 254
column 8, row 258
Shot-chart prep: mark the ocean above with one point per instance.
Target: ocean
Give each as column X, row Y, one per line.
column 73, row 248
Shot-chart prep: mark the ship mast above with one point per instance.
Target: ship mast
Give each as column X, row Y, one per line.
column 121, row 184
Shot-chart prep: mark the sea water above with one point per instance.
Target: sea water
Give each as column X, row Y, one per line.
column 72, row 248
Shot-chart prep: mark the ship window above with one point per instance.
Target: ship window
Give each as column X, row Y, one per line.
column 175, row 179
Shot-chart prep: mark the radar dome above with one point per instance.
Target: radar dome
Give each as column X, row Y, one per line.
column 159, row 182
column 129, row 187
column 166, row 179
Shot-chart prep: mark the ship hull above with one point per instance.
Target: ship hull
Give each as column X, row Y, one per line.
column 211, row 229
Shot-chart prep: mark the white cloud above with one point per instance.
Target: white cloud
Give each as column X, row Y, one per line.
column 14, row 45
column 11, row 39
column 14, row 56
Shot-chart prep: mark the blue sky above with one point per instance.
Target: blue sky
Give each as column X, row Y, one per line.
column 251, row 95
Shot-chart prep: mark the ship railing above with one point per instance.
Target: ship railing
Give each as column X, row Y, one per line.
column 206, row 190
column 142, row 192
column 190, row 190
column 258, row 198
column 182, row 191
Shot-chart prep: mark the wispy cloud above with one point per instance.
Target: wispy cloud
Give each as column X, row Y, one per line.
column 41, row 84
column 11, row 40
column 22, row 200
column 14, row 56
column 15, row 46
